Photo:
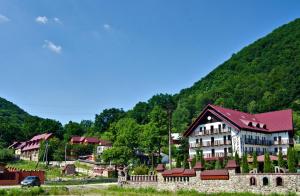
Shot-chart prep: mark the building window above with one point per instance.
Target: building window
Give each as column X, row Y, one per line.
column 229, row 128
column 275, row 138
column 229, row 137
column 204, row 128
column 265, row 181
column 197, row 141
column 279, row 181
column 200, row 128
column 275, row 150
column 230, row 150
column 211, row 127
column 252, row 181
column 224, row 126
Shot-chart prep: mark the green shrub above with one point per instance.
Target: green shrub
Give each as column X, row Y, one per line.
column 141, row 170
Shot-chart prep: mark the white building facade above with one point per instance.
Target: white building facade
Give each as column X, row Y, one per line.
column 220, row 132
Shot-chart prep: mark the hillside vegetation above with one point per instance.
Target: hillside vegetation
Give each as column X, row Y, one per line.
column 263, row 76
column 16, row 124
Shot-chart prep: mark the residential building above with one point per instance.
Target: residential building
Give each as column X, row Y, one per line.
column 220, row 132
column 101, row 144
column 30, row 150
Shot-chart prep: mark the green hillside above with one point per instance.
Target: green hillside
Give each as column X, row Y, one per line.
column 263, row 76
column 16, row 124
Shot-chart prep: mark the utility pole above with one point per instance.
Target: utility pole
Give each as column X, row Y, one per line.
column 46, row 152
column 66, row 154
column 170, row 137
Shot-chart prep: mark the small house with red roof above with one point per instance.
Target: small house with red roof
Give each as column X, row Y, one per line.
column 220, row 132
column 30, row 148
column 100, row 143
column 77, row 140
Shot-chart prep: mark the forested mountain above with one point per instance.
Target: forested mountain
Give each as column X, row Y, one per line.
column 263, row 76
column 16, row 124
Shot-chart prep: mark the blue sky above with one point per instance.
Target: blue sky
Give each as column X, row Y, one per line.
column 69, row 60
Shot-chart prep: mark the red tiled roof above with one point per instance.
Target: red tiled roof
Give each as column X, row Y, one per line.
column 104, row 142
column 91, row 140
column 43, row 136
column 21, row 145
column 231, row 164
column 179, row 172
column 77, row 139
column 220, row 174
column 34, row 143
column 189, row 172
column 198, row 166
column 275, row 121
column 261, row 158
column 215, row 172
column 14, row 145
column 160, row 167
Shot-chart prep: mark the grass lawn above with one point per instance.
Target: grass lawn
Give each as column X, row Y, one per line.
column 82, row 165
column 51, row 171
column 113, row 190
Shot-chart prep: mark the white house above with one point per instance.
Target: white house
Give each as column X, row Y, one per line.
column 219, row 131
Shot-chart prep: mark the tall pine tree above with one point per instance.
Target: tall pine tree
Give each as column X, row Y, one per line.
column 245, row 166
column 267, row 163
column 255, row 163
column 291, row 159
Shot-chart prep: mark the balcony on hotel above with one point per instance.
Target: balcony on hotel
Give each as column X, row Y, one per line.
column 211, row 132
column 217, row 155
column 210, row 144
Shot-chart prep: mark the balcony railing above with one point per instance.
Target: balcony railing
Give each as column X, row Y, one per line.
column 209, row 143
column 284, row 141
column 259, row 142
column 217, row 154
column 268, row 142
column 211, row 132
column 262, row 153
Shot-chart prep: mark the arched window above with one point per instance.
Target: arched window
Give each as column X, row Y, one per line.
column 252, row 181
column 279, row 181
column 265, row 181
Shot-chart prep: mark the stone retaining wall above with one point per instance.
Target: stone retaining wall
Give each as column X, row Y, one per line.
column 236, row 183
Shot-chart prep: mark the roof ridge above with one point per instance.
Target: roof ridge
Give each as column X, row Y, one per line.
column 289, row 109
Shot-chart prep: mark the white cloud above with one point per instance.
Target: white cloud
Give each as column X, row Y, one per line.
column 107, row 27
column 52, row 47
column 57, row 20
column 41, row 19
column 4, row 19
